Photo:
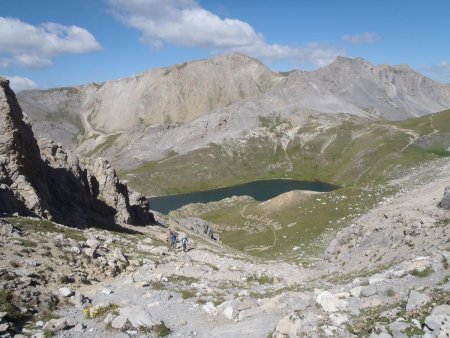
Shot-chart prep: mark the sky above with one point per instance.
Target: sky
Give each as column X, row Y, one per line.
column 57, row 43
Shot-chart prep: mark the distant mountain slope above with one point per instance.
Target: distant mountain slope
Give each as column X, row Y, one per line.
column 185, row 107
column 355, row 85
column 175, row 94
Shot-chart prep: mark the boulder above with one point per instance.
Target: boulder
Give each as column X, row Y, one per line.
column 66, row 292
column 438, row 321
column 209, row 308
column 330, row 303
column 229, row 308
column 8, row 230
column 416, row 301
column 338, row 319
column 137, row 316
column 289, row 326
column 247, row 303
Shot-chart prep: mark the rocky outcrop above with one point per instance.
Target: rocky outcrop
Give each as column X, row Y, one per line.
column 41, row 179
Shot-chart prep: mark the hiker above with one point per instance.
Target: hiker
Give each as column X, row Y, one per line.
column 184, row 241
column 174, row 240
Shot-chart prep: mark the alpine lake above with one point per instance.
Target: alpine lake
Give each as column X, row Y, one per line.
column 261, row 190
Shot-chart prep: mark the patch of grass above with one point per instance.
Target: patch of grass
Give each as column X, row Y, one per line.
column 157, row 285
column 101, row 312
column 161, row 330
column 390, row 292
column 262, row 279
column 422, row 273
column 186, row 294
column 45, row 226
column 182, row 279
column 413, row 331
column 27, row 243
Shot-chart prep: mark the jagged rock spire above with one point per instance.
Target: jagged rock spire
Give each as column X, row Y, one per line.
column 41, row 179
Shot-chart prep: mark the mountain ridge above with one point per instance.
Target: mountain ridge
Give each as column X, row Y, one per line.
column 203, row 102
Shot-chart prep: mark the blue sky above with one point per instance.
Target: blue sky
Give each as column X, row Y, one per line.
column 51, row 43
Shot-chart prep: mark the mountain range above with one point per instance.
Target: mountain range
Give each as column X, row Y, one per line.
column 225, row 100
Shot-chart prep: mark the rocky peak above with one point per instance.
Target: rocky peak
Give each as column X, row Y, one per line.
column 43, row 180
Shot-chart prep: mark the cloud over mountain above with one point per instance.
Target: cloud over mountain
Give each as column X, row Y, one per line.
column 186, row 23
column 28, row 46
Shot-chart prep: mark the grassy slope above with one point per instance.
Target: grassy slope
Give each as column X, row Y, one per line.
column 356, row 154
column 360, row 152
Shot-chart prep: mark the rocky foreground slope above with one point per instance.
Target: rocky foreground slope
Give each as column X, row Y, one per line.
column 387, row 275
column 41, row 179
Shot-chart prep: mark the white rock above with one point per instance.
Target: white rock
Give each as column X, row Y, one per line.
column 416, row 301
column 399, row 273
column 284, row 325
column 138, row 316
column 109, row 318
column 338, row 319
column 231, row 312
column 381, row 335
column 93, row 243
column 4, row 327
column 209, row 308
column 66, row 292
column 376, row 280
column 356, row 292
column 106, row 291
column 439, row 320
column 330, row 303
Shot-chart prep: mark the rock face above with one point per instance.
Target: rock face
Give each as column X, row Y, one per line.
column 41, row 179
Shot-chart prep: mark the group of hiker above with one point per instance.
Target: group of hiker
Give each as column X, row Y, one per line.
column 173, row 240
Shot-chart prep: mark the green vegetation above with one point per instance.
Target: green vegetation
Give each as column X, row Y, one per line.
column 390, row 292
column 161, row 330
column 27, row 243
column 356, row 153
column 44, row 226
column 186, row 294
column 262, row 279
column 101, row 312
column 422, row 273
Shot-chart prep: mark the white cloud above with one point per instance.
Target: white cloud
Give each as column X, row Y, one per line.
column 362, row 39
column 315, row 54
column 439, row 71
column 31, row 46
column 185, row 23
column 18, row 83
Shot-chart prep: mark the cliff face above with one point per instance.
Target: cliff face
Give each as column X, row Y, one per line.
column 41, row 179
